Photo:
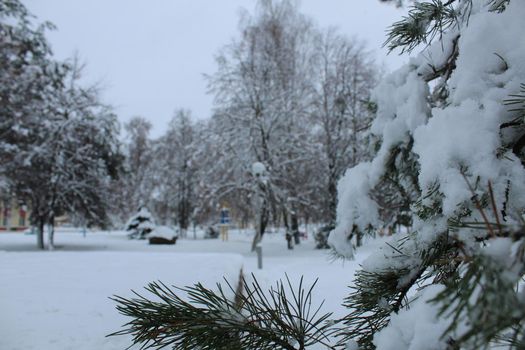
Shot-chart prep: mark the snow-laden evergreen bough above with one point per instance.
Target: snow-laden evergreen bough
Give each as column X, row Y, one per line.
column 451, row 130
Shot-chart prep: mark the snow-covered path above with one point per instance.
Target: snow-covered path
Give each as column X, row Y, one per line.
column 59, row 300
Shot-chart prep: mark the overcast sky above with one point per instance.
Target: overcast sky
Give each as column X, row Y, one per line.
column 151, row 55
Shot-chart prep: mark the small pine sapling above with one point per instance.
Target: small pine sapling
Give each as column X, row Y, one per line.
column 140, row 225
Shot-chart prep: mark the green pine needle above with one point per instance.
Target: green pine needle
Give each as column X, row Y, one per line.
column 281, row 318
column 425, row 20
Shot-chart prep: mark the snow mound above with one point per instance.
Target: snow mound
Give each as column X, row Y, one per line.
column 163, row 232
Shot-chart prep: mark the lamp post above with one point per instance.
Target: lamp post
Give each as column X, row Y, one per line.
column 259, row 173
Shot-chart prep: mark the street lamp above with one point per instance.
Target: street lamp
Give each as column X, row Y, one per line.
column 261, row 179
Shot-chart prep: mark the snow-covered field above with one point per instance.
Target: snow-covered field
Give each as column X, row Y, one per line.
column 60, row 299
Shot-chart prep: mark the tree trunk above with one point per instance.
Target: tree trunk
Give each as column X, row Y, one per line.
column 288, row 234
column 51, row 234
column 306, row 219
column 40, row 234
column 295, row 228
column 51, row 237
column 289, row 242
column 332, row 195
column 263, row 220
column 285, row 220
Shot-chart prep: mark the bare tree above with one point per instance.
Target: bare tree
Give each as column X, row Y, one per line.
column 135, row 186
column 175, row 162
column 342, row 110
column 262, row 92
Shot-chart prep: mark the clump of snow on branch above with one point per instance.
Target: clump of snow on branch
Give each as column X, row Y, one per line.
column 402, row 107
column 416, row 328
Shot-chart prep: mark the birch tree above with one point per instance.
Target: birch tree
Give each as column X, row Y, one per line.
column 342, row 110
column 261, row 93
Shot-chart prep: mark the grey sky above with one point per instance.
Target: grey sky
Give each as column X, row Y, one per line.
column 150, row 55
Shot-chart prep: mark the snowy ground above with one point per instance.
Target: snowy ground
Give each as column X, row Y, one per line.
column 59, row 299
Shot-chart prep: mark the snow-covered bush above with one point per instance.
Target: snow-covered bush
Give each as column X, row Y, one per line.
column 163, row 232
column 212, row 231
column 451, row 129
column 321, row 236
column 140, row 224
column 163, row 235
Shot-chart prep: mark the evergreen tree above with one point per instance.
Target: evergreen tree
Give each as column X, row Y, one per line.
column 176, row 166
column 141, row 224
column 135, row 185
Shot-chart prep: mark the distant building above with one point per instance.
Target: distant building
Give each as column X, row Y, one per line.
column 14, row 216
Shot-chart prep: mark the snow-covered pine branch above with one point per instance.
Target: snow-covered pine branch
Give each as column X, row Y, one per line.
column 456, row 155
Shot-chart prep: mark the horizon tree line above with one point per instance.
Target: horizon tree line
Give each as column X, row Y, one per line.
column 287, row 94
